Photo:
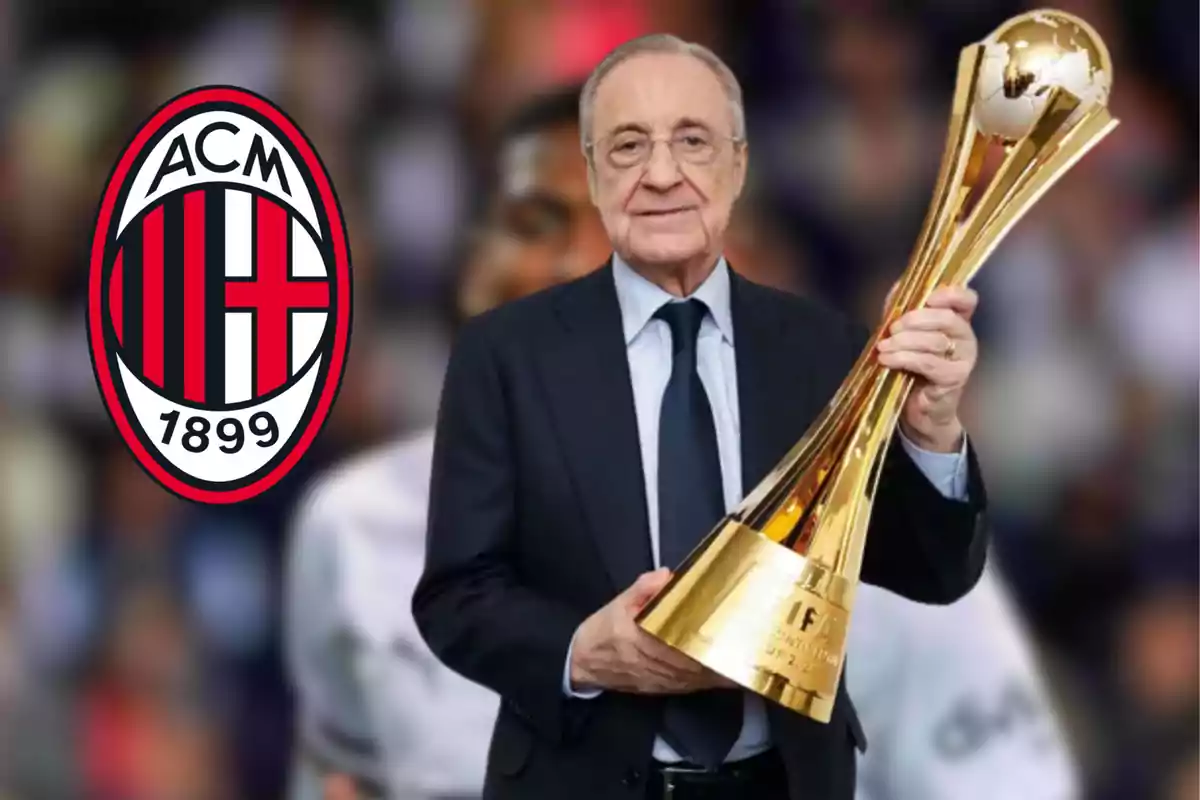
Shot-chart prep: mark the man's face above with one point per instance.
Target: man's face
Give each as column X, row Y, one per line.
column 543, row 229
column 667, row 172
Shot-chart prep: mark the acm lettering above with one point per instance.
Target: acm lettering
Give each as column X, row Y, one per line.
column 179, row 157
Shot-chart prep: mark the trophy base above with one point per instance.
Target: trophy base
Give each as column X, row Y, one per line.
column 760, row 614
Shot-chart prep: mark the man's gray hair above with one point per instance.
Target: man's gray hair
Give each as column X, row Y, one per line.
column 661, row 43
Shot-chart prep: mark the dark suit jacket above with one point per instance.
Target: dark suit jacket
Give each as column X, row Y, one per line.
column 538, row 518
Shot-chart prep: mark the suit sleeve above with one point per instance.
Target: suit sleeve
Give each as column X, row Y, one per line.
column 921, row 543
column 470, row 605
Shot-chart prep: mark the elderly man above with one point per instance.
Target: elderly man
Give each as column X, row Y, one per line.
column 570, row 472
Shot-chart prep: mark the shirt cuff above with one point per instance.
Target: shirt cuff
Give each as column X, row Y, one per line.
column 569, row 690
column 946, row 471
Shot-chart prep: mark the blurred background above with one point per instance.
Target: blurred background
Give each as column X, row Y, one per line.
column 139, row 634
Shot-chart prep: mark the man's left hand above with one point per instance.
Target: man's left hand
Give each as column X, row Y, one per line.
column 937, row 345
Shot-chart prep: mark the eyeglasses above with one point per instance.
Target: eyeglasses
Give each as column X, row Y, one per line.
column 633, row 148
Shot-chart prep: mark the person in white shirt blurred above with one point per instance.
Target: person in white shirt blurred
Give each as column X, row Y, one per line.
column 380, row 716
column 953, row 702
column 377, row 711
column 950, row 699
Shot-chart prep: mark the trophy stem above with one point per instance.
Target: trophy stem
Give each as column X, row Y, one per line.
column 781, row 503
column 833, row 490
column 835, row 529
column 777, row 515
column 962, row 161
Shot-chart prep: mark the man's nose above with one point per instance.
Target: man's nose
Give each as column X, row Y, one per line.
column 662, row 170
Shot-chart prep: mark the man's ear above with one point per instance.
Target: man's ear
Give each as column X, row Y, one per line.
column 741, row 165
column 591, row 180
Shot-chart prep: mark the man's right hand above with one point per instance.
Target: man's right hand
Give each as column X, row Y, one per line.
column 610, row 651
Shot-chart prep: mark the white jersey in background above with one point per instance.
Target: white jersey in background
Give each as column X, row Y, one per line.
column 952, row 702
column 374, row 702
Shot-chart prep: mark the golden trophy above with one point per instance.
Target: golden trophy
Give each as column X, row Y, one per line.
column 765, row 599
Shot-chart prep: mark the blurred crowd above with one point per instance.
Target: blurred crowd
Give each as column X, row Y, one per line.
column 139, row 634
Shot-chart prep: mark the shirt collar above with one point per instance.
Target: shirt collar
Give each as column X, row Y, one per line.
column 639, row 298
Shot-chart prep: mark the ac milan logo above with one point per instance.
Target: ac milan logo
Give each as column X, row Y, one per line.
column 219, row 295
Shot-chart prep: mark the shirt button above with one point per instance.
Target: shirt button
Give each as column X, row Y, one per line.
column 632, row 777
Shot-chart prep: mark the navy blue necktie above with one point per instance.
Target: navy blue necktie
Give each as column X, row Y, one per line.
column 700, row 726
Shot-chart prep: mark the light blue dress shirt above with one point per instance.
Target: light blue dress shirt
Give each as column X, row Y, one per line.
column 648, row 344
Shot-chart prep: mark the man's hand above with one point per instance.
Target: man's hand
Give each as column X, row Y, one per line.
column 938, row 346
column 612, row 652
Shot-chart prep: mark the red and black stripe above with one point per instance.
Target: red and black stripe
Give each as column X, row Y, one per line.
column 173, row 307
column 166, row 296
column 127, row 303
column 214, row 295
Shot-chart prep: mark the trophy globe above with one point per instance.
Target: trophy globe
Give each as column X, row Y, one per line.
column 1027, row 57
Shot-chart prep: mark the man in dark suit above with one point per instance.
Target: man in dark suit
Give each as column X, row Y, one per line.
column 569, row 463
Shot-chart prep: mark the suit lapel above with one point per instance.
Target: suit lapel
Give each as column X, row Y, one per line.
column 586, row 375
column 755, row 332
column 777, row 394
